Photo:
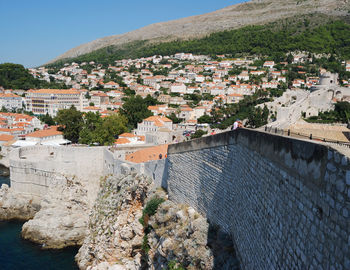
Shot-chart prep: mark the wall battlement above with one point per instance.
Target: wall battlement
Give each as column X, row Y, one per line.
column 284, row 201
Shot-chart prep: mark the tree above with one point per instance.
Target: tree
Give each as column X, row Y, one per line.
column 258, row 117
column 3, row 109
column 91, row 121
column 135, row 110
column 15, row 76
column 110, row 127
column 101, row 131
column 204, row 119
column 47, row 119
column 198, row 134
column 343, row 111
column 71, row 122
column 129, row 92
column 174, row 118
column 150, row 101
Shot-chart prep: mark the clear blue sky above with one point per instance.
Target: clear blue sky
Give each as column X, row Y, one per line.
column 35, row 31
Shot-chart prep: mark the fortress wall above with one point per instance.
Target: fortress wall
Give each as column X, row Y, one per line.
column 114, row 165
column 34, row 169
column 285, row 202
column 155, row 169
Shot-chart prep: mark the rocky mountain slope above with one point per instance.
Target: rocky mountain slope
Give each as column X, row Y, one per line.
column 231, row 17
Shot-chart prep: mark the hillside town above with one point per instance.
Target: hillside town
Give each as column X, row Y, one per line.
column 176, row 136
column 187, row 88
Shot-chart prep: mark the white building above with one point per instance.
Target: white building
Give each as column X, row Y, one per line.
column 269, row 64
column 50, row 101
column 10, row 101
column 49, row 136
column 178, row 88
column 153, row 124
column 111, row 85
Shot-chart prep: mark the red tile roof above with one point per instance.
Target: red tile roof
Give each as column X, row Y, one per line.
column 45, row 133
column 148, row 154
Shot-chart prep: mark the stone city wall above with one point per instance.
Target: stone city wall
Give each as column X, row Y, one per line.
column 285, row 202
column 155, row 169
column 34, row 169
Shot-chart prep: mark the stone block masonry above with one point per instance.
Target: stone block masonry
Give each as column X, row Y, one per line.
column 34, row 169
column 285, row 202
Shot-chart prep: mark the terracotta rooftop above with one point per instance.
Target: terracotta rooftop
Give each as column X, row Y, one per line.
column 92, row 108
column 127, row 135
column 45, row 133
column 148, row 154
column 158, row 118
column 55, row 91
column 8, row 95
column 122, row 141
column 6, row 138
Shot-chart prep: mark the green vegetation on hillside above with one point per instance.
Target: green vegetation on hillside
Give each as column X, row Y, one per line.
column 224, row 115
column 273, row 40
column 14, row 76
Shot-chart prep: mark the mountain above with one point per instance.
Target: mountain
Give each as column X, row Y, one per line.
column 255, row 12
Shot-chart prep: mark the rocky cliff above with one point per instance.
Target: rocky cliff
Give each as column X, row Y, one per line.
column 15, row 206
column 134, row 226
column 115, row 234
column 63, row 218
column 231, row 17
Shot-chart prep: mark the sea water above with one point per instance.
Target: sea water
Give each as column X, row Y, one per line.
column 16, row 253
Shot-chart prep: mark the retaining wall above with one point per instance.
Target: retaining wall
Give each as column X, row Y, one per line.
column 285, row 202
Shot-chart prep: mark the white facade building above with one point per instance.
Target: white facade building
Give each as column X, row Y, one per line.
column 10, row 101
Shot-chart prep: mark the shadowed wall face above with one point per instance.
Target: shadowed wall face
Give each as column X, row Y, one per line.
column 284, row 202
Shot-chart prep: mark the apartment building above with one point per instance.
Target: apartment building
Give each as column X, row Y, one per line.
column 50, row 101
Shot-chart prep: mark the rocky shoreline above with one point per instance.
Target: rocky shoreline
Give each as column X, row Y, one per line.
column 130, row 225
column 14, row 206
column 57, row 220
column 63, row 218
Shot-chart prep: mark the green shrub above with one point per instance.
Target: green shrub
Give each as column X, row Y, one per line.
column 198, row 134
column 150, row 210
column 174, row 265
column 145, row 246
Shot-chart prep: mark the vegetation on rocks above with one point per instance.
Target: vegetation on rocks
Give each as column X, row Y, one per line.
column 150, row 210
column 115, row 233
